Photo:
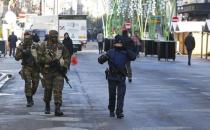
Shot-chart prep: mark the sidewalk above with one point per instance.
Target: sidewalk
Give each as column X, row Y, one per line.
column 7, row 69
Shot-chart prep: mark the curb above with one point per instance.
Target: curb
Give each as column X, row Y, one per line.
column 4, row 78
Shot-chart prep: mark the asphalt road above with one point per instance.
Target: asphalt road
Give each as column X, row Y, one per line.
column 163, row 96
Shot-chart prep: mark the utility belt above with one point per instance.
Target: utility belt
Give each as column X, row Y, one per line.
column 115, row 73
column 52, row 67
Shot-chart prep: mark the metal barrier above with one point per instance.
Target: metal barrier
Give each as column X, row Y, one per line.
column 166, row 50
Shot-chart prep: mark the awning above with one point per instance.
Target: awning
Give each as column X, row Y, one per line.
column 189, row 26
column 207, row 26
column 173, row 26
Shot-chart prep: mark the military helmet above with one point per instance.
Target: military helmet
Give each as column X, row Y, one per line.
column 53, row 33
column 53, row 37
column 27, row 41
column 27, row 34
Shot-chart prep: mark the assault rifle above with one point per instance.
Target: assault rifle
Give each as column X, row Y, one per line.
column 56, row 65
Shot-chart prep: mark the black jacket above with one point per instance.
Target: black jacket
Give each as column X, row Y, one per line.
column 190, row 42
column 128, row 43
column 12, row 41
column 67, row 42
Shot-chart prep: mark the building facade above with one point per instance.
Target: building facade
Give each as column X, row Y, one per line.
column 194, row 10
column 64, row 7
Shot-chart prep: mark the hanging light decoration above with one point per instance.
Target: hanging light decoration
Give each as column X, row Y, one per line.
column 110, row 6
column 121, row 8
column 139, row 9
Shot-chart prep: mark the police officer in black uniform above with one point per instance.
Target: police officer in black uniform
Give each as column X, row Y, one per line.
column 116, row 75
column 128, row 44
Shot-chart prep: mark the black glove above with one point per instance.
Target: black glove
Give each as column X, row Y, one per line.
column 103, row 58
column 26, row 52
column 64, row 70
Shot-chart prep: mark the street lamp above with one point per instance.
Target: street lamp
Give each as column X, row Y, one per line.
column 1, row 8
column 10, row 17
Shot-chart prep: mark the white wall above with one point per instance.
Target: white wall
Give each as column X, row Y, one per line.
column 198, row 39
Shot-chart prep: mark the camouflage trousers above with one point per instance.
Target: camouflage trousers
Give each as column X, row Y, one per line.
column 53, row 84
column 31, row 77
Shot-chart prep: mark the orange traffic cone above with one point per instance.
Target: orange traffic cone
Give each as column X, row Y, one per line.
column 74, row 60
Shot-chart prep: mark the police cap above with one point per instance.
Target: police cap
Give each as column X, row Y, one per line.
column 118, row 39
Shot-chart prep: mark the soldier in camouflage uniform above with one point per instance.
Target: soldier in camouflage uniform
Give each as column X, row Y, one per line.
column 27, row 52
column 54, row 61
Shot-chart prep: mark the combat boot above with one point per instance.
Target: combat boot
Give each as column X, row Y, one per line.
column 29, row 101
column 47, row 108
column 58, row 112
column 120, row 115
column 32, row 101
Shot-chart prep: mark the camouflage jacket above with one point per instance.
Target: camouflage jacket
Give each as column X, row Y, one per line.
column 28, row 54
column 49, row 53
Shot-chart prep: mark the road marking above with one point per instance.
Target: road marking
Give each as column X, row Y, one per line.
column 194, row 110
column 199, row 76
column 76, row 93
column 63, row 128
column 6, row 94
column 206, row 93
column 153, row 103
column 70, row 119
column 194, row 88
column 172, row 78
column 162, row 128
column 40, row 113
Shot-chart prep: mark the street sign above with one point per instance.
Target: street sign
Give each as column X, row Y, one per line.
column 175, row 19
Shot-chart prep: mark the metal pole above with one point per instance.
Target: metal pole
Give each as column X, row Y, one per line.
column 57, row 7
column 202, row 45
column 54, row 7
column 207, row 45
column 176, row 8
column 43, row 4
column 40, row 7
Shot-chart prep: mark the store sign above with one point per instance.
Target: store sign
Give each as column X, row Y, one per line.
column 154, row 26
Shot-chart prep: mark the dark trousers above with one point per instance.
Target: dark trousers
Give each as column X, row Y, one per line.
column 129, row 70
column 12, row 51
column 116, row 88
column 189, row 52
column 100, row 47
column 137, row 50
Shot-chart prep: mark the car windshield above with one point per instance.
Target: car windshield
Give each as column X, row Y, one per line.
column 41, row 34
